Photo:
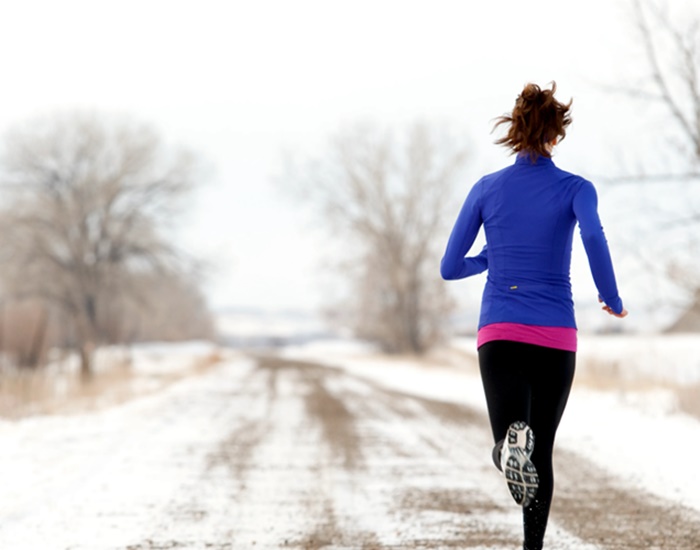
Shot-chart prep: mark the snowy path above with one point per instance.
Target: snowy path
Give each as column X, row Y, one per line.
column 275, row 453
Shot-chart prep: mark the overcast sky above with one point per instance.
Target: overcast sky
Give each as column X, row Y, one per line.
column 241, row 81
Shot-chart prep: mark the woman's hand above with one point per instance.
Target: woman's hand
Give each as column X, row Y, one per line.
column 620, row 315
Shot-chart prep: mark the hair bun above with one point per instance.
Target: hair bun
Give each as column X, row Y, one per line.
column 531, row 92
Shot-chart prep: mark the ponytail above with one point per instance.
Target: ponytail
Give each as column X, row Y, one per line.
column 537, row 120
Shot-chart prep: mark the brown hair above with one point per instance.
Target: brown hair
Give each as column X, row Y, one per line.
column 537, row 119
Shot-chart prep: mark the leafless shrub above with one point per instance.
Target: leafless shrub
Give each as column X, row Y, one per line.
column 165, row 308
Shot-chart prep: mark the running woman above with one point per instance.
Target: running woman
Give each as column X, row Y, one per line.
column 527, row 330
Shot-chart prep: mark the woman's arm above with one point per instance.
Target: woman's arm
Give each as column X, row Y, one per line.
column 596, row 246
column 454, row 264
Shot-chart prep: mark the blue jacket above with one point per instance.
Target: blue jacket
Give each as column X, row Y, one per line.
column 529, row 211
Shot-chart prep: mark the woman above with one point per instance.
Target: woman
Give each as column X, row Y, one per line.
column 527, row 330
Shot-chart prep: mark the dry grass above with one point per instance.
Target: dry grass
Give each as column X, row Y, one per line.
column 33, row 392
column 453, row 357
column 689, row 399
column 610, row 376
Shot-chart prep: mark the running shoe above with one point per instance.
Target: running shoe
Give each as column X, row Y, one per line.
column 496, row 455
column 520, row 473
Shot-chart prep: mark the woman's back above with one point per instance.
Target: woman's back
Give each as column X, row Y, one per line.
column 529, row 211
column 528, row 218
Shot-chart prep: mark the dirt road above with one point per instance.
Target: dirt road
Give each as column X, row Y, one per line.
column 287, row 454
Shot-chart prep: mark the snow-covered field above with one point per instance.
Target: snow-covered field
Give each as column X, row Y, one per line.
column 331, row 445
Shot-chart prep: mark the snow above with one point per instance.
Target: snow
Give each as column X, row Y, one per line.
column 77, row 482
column 168, row 358
column 60, row 474
column 639, row 436
column 671, row 358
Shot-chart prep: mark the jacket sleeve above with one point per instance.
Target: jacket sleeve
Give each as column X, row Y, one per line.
column 454, row 264
column 585, row 206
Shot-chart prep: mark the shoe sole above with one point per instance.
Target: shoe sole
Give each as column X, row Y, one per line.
column 520, row 473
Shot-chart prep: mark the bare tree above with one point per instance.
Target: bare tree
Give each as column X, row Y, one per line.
column 672, row 53
column 667, row 36
column 671, row 49
column 387, row 201
column 87, row 199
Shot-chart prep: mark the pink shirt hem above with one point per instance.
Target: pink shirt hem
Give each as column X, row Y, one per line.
column 549, row 337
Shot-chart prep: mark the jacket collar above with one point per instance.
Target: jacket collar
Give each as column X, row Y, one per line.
column 524, row 158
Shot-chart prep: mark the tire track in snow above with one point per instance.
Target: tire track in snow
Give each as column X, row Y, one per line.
column 384, row 495
column 319, row 458
column 606, row 516
column 338, row 451
column 430, row 498
column 299, row 455
column 596, row 507
column 591, row 504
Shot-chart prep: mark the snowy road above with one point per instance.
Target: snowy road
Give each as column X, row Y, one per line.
column 280, row 453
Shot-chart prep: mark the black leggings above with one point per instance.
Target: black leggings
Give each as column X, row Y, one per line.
column 530, row 383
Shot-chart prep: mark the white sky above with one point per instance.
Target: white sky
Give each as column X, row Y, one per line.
column 241, row 81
